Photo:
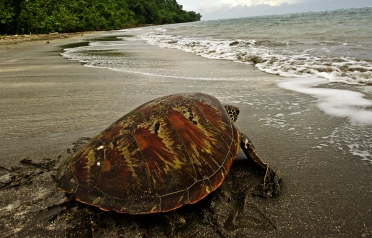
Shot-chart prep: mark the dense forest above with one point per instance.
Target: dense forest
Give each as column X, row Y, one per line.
column 48, row 16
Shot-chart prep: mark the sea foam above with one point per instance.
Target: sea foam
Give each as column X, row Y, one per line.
column 335, row 102
column 284, row 63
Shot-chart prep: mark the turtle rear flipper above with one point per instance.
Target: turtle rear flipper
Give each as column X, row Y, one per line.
column 272, row 179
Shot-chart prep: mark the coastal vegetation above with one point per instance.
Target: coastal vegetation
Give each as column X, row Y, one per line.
column 48, row 16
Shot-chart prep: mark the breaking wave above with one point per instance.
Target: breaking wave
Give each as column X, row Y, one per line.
column 280, row 62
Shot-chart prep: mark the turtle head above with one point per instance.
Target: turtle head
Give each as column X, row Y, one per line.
column 232, row 111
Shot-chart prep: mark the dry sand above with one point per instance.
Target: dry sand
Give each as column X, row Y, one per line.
column 48, row 102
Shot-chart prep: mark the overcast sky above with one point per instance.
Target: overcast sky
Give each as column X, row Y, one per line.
column 219, row 9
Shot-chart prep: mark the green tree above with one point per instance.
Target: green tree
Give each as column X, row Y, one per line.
column 46, row 16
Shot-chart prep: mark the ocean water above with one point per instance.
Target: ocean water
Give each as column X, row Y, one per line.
column 335, row 45
column 310, row 51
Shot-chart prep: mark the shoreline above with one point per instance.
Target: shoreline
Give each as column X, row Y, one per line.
column 21, row 41
column 49, row 102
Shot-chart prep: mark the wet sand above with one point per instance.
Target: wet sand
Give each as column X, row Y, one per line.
column 48, row 102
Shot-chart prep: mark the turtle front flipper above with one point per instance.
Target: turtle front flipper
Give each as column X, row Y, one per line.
column 272, row 179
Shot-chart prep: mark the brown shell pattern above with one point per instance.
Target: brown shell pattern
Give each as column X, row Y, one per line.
column 171, row 151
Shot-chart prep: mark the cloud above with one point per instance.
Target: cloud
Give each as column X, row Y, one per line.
column 206, row 4
column 220, row 9
column 255, row 2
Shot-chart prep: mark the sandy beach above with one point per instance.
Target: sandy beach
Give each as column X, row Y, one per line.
column 48, row 102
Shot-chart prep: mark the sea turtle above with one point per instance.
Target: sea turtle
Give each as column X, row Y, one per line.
column 166, row 153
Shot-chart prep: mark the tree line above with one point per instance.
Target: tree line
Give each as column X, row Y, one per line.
column 48, row 16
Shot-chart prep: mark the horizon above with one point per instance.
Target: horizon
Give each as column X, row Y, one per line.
column 229, row 9
column 328, row 10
